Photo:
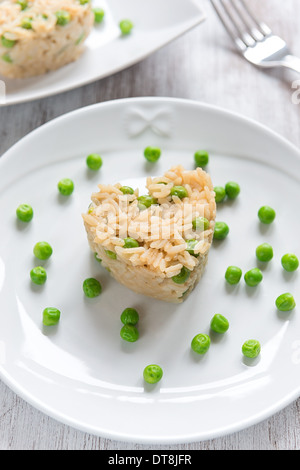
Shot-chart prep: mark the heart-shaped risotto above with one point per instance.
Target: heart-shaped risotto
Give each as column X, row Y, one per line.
column 155, row 244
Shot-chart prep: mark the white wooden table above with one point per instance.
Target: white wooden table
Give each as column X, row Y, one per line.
column 201, row 65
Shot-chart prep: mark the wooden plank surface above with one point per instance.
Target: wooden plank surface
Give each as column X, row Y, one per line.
column 202, row 65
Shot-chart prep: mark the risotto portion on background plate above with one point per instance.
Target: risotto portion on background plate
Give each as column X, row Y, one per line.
column 38, row 36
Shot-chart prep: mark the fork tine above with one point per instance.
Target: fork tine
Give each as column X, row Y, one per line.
column 229, row 25
column 262, row 27
column 251, row 25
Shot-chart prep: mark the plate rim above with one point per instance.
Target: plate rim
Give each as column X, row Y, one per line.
column 148, row 440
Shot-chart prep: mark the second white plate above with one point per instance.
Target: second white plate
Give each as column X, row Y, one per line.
column 156, row 23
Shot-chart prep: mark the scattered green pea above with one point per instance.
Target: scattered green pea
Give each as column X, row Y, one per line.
column 23, row 4
column 6, row 42
column 289, row 262
column 129, row 333
column 129, row 316
column 200, row 343
column 182, row 277
column 251, row 348
column 220, row 194
column 51, row 316
column 7, row 58
column 38, row 275
column 62, row 17
column 26, row 23
column 146, row 200
column 221, row 231
column 266, row 214
column 285, row 302
column 152, row 154
column 94, row 162
column 253, row 277
column 190, row 246
column 111, row 254
column 233, row 275
column 24, row 212
column 98, row 15
column 97, row 258
column 200, row 223
column 219, row 323
column 126, row 190
column 126, row 27
column 264, row 252
column 42, row 250
column 65, row 186
column 179, row 191
column 232, row 190
column 152, row 374
column 201, row 158
column 130, row 243
column 91, row 287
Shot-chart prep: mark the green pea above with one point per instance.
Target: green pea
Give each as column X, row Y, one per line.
column 221, row 231
column 51, row 316
column 200, row 343
column 146, row 200
column 7, row 58
column 91, row 287
column 62, row 17
column 190, row 246
column 129, row 333
column 264, row 252
column 152, row 374
column 98, row 15
column 42, row 250
column 24, row 213
column 130, row 243
column 126, row 27
column 219, row 323
column 201, row 224
column 285, row 302
column 152, row 154
column 38, row 275
column 6, row 42
column 266, row 214
column 111, row 254
column 253, row 277
column 65, row 186
column 126, row 190
column 26, row 23
column 290, row 262
column 97, row 258
column 23, row 4
column 129, row 316
column 182, row 277
column 94, row 161
column 84, row 2
column 220, row 194
column 201, row 158
column 179, row 191
column 232, row 190
column 251, row 348
column 233, row 275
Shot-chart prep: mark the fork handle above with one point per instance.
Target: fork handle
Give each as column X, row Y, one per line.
column 292, row 62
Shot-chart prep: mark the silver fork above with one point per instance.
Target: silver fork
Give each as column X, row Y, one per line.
column 253, row 38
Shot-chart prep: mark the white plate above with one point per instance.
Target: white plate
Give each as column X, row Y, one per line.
column 156, row 24
column 81, row 372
